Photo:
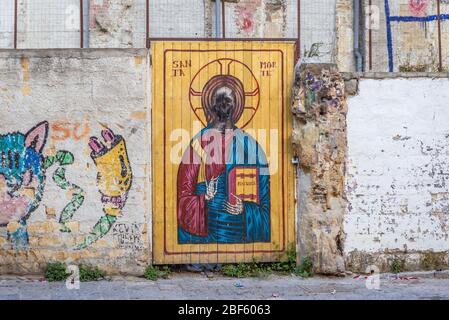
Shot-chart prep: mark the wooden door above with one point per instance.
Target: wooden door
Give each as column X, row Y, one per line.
column 222, row 178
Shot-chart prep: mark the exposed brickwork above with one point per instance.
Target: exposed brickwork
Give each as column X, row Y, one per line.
column 319, row 141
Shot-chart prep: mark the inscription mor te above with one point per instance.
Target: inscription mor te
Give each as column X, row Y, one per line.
column 266, row 68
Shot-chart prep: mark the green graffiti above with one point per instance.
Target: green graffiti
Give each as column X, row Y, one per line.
column 65, row 158
column 100, row 229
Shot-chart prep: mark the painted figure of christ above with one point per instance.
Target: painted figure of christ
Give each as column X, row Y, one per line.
column 223, row 183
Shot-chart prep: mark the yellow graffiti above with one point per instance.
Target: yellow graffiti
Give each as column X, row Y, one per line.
column 114, row 176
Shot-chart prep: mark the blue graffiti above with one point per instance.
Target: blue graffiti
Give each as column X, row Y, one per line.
column 389, row 19
column 22, row 178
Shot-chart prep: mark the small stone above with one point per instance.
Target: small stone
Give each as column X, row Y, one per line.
column 352, row 87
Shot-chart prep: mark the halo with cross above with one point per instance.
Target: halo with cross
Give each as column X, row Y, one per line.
column 230, row 73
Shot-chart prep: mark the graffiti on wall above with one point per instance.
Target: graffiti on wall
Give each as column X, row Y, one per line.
column 97, row 7
column 260, row 18
column 418, row 12
column 219, row 151
column 418, row 8
column 63, row 130
column 114, row 180
column 128, row 236
column 23, row 178
column 246, row 16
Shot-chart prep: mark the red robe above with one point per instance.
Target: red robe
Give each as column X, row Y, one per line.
column 192, row 208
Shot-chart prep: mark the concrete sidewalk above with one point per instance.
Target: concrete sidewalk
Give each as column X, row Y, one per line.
column 199, row 286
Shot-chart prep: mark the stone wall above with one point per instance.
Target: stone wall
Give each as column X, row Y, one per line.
column 117, row 24
column 344, row 47
column 372, row 178
column 65, row 196
column 319, row 140
column 372, row 152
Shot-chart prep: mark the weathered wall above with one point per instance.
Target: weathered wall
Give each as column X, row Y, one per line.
column 319, row 140
column 74, row 205
column 117, row 24
column 344, row 46
column 414, row 42
column 414, row 36
column 122, row 23
column 7, row 24
column 48, row 24
column 261, row 18
column 406, row 39
column 318, row 31
column 189, row 18
column 372, row 184
column 397, row 177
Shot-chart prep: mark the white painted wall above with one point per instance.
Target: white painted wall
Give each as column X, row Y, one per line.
column 398, row 166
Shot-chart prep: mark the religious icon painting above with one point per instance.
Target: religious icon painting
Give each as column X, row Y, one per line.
column 223, row 183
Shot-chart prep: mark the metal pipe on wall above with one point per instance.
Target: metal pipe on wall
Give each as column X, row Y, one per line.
column 147, row 24
column 218, row 18
column 356, row 27
column 223, row 18
column 15, row 23
column 84, row 23
column 81, row 24
column 298, row 43
column 440, row 55
column 370, row 37
column 87, row 24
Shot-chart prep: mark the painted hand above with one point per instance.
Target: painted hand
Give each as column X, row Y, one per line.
column 211, row 188
column 236, row 208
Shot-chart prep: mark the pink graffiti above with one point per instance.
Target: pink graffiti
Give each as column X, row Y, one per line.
column 96, row 8
column 245, row 12
column 11, row 208
column 418, row 7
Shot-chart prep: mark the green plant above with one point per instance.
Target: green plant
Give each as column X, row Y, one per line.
column 413, row 68
column 56, row 271
column 155, row 272
column 243, row 270
column 433, row 261
column 240, row 270
column 305, row 269
column 286, row 264
column 287, row 261
column 88, row 273
column 397, row 266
